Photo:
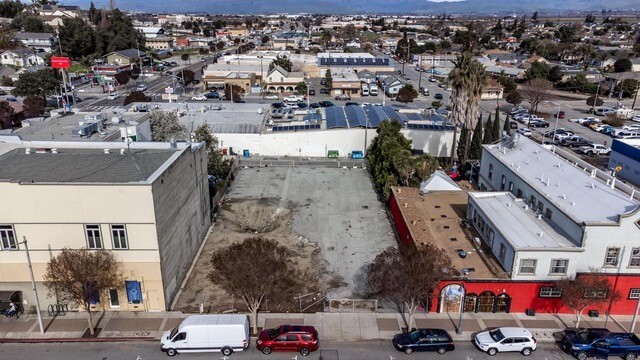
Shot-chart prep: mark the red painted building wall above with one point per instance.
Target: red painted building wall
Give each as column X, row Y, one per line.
column 398, row 219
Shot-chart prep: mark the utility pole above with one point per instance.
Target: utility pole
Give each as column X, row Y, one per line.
column 596, row 99
column 33, row 284
column 420, row 74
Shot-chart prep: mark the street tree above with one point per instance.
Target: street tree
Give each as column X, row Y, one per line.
column 6, row 115
column 134, row 75
column 81, row 275
column 301, row 88
column 40, row 83
column 555, row 74
column 514, row 98
column 267, row 269
column 487, row 136
column 467, row 79
column 136, row 96
column 495, row 127
column 629, row 87
column 233, row 92
column 426, row 262
column 265, row 39
column 165, row 127
column 122, row 78
column 220, row 45
column 538, row 70
column 407, row 94
column 506, row 128
column 475, row 149
column 186, row 77
column 508, row 84
column 585, row 291
column 591, row 101
column 77, row 37
column 34, row 106
column 217, row 165
column 622, row 65
column 282, row 61
column 536, row 91
column 348, row 32
column 184, row 57
column 329, row 79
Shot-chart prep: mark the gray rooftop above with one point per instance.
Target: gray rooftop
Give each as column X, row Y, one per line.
column 517, row 224
column 82, row 165
column 571, row 189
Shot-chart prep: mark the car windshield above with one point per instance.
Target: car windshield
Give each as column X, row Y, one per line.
column 587, row 336
column 273, row 333
column 415, row 336
column 173, row 332
column 496, row 335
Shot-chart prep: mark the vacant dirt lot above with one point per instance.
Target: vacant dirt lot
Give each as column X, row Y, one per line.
column 329, row 218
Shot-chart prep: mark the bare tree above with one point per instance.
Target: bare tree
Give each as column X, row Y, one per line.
column 408, row 277
column 165, row 126
column 584, row 291
column 6, row 115
column 80, row 275
column 536, row 91
column 259, row 267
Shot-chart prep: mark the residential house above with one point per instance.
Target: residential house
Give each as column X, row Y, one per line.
column 345, row 81
column 367, row 77
column 492, row 91
column 21, row 58
column 392, row 84
column 354, row 61
column 65, row 11
column 239, row 31
column 220, row 75
column 124, row 57
column 280, row 80
column 40, row 42
column 159, row 43
column 123, row 198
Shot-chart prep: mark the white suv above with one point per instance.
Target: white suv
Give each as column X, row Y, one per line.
column 506, row 339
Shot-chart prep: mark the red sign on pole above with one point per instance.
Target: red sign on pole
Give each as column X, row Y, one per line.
column 60, row 62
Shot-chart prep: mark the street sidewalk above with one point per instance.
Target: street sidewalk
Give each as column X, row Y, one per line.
column 123, row 326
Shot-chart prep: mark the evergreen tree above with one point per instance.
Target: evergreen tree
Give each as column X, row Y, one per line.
column 462, row 143
column 475, row 149
column 486, row 139
column 507, row 127
column 495, row 129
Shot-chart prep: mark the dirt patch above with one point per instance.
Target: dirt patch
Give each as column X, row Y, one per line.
column 238, row 220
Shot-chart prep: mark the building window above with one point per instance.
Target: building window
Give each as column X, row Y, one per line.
column 119, row 236
column 559, row 266
column 528, row 266
column 503, row 183
column 94, row 238
column 540, row 207
column 549, row 292
column 490, row 171
column 634, row 293
column 548, row 214
column 8, row 237
column 134, row 292
column 510, row 186
column 503, row 252
column 532, row 200
column 611, row 256
column 519, row 194
column 635, row 257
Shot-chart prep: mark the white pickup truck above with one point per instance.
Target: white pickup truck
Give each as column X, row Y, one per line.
column 293, row 98
column 594, row 149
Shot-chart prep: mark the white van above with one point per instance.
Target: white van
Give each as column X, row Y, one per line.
column 373, row 89
column 365, row 90
column 208, row 333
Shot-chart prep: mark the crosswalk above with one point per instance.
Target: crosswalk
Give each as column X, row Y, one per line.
column 102, row 108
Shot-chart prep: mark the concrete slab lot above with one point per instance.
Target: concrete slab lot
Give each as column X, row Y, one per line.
column 334, row 207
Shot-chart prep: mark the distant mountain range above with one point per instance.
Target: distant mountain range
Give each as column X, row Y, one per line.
column 360, row 6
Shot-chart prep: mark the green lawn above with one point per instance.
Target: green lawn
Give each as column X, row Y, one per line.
column 78, row 68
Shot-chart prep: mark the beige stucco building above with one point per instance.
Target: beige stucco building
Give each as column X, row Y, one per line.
column 148, row 203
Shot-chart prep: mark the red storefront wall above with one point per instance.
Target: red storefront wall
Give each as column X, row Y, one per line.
column 525, row 295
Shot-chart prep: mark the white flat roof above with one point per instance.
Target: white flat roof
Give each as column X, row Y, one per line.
column 565, row 185
column 519, row 225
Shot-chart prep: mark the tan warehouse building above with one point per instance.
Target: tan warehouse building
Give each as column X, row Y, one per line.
column 148, row 203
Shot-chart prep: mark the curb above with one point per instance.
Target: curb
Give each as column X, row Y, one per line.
column 73, row 340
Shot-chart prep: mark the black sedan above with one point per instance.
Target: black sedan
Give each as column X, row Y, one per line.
column 326, row 103
column 424, row 340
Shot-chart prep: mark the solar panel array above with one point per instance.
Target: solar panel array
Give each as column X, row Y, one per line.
column 335, row 117
column 337, row 61
column 313, row 116
column 430, row 127
column 296, row 127
column 356, row 116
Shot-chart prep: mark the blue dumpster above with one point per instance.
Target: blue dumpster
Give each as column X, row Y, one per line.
column 246, row 153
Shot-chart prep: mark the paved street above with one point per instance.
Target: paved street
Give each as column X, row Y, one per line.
column 370, row 350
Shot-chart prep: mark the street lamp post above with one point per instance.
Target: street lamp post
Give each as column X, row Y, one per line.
column 420, row 75
column 459, row 328
column 33, row 283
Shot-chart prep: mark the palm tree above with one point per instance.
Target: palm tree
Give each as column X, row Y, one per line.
column 467, row 81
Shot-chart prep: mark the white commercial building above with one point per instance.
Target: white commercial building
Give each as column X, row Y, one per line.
column 554, row 214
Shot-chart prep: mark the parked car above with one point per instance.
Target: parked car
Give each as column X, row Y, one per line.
column 628, row 135
column 525, row 131
column 343, row 97
column 432, row 79
column 438, row 96
column 594, row 149
column 323, row 81
column 270, row 97
column 277, row 105
column 351, row 103
column 560, row 135
column 598, row 127
column 506, row 339
column 634, row 118
column 518, row 111
column 212, row 95
column 293, row 98
column 538, row 123
column 424, row 340
column 588, row 123
column 326, row 104
column 585, row 119
column 605, row 111
column 513, row 124
column 559, row 115
column 314, row 106
column 199, row 98
column 301, row 105
column 600, row 343
column 113, row 96
column 303, row 339
column 324, row 91
column 141, row 87
column 632, row 127
column 575, row 142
